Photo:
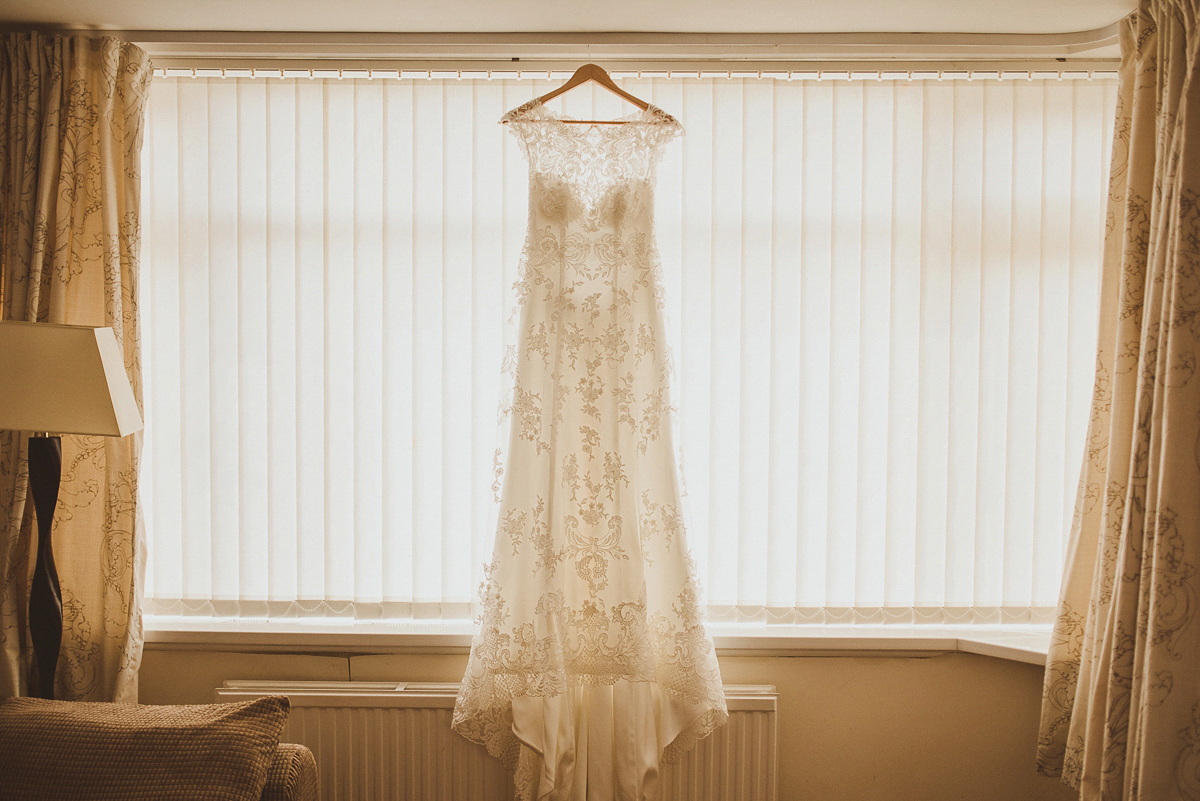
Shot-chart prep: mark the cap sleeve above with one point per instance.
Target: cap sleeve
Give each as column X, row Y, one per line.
column 522, row 113
column 521, row 122
column 663, row 127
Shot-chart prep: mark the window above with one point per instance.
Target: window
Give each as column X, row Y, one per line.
column 882, row 293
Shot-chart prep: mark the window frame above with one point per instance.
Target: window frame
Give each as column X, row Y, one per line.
column 1023, row 642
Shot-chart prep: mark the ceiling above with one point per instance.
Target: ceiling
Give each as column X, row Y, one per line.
column 577, row 16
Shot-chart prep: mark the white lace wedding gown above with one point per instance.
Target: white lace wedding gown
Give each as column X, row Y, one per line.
column 590, row 665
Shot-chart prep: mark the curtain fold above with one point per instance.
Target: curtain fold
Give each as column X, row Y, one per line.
column 1121, row 703
column 72, row 109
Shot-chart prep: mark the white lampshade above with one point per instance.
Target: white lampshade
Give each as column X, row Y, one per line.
column 64, row 379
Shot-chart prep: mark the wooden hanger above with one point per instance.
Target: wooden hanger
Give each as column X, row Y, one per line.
column 592, row 72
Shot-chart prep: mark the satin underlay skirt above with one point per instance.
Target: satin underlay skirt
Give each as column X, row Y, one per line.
column 578, row 740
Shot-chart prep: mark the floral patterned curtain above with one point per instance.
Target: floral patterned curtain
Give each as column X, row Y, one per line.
column 1121, row 703
column 72, row 108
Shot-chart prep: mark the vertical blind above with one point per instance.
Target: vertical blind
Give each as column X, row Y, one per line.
column 882, row 297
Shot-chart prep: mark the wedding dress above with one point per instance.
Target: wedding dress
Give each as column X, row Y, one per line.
column 590, row 665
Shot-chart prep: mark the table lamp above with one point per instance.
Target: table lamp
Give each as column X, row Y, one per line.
column 58, row 379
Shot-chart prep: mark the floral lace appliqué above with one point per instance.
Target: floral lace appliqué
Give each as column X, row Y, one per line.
column 590, row 582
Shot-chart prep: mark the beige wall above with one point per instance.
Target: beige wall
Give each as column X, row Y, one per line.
column 955, row 726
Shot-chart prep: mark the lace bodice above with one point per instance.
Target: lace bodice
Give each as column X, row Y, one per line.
column 591, row 163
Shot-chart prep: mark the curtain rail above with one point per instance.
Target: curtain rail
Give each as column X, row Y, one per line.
column 675, row 52
column 209, row 68
column 1069, row 72
column 612, row 49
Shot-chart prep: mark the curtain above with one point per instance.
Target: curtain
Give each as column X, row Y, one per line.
column 69, row 195
column 883, row 292
column 1121, row 706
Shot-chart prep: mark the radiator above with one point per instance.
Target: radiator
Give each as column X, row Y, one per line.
column 381, row 740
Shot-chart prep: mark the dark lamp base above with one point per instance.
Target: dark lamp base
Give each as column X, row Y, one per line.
column 45, row 598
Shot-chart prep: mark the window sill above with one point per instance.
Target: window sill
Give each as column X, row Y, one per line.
column 1020, row 643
